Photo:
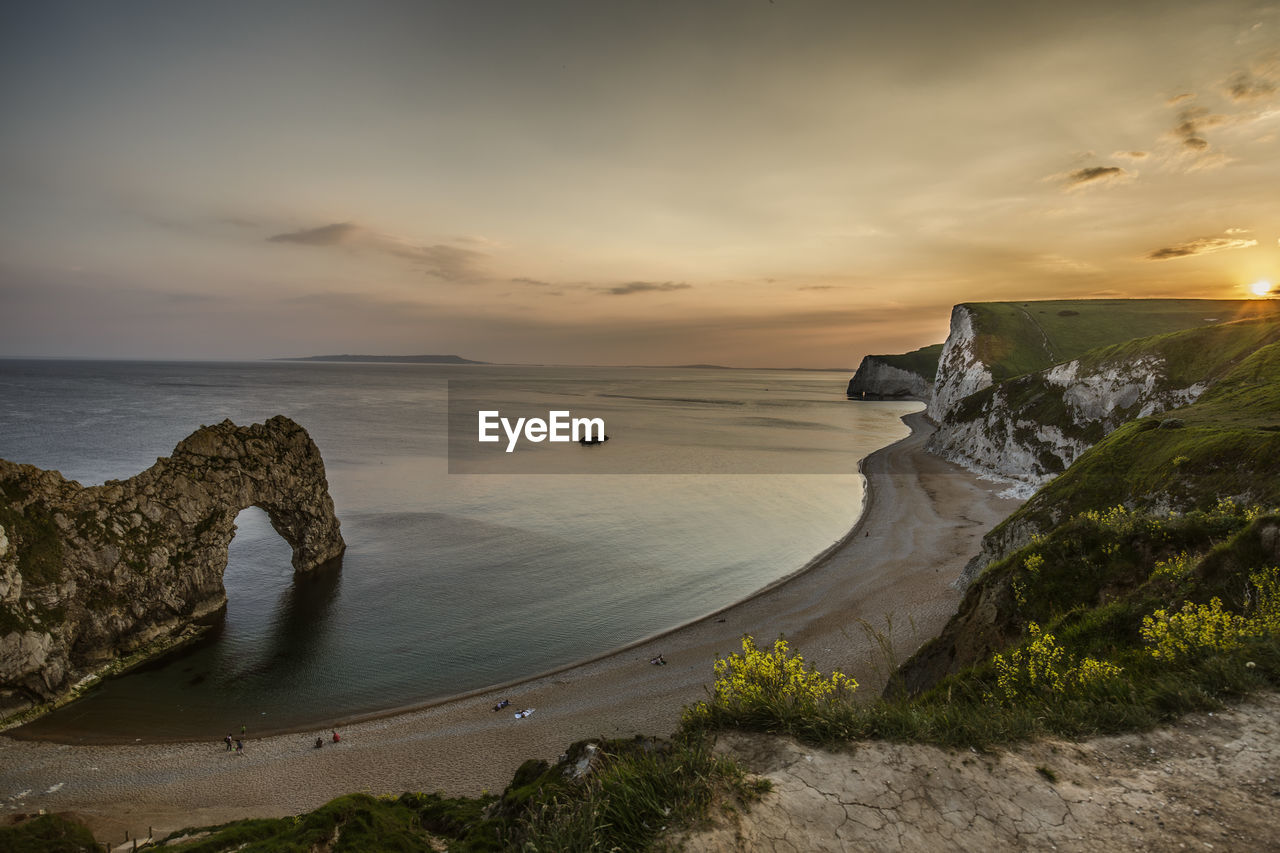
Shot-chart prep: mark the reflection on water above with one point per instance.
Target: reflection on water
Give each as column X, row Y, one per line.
column 449, row 582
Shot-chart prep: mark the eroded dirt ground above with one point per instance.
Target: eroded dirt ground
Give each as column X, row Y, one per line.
column 1209, row 782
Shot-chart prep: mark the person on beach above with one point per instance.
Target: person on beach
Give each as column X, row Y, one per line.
column 239, row 746
column 335, row 736
column 319, row 743
column 227, row 741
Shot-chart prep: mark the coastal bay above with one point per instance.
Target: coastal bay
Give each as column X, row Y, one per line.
column 922, row 519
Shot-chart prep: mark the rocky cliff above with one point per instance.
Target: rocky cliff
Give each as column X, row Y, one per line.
column 1169, row 487
column 1031, row 428
column 896, row 377
column 962, row 370
column 990, row 342
column 90, row 575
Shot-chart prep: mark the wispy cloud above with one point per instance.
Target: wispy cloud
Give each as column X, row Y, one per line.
column 1259, row 82
column 644, row 287
column 325, row 235
column 441, row 260
column 1095, row 175
column 1201, row 246
column 1192, row 123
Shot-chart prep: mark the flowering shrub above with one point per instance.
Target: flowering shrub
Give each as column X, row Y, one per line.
column 1195, row 629
column 1174, row 568
column 1044, row 666
column 1200, row 628
column 775, row 678
column 1264, row 604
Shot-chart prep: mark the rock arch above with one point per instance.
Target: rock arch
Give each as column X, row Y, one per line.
column 89, row 576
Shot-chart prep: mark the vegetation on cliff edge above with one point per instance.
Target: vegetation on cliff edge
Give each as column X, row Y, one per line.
column 1013, row 338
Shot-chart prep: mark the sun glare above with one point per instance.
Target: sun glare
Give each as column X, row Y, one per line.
column 1261, row 288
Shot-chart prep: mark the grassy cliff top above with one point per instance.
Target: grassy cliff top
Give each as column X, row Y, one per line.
column 923, row 361
column 1226, row 444
column 1014, row 338
column 1189, row 357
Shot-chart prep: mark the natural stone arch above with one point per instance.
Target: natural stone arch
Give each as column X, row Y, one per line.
column 128, row 568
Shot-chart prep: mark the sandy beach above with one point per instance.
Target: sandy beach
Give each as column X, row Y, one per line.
column 923, row 519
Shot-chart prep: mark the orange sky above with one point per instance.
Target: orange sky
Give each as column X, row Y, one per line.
column 737, row 182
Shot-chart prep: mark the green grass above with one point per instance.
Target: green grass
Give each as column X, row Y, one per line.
column 923, row 361
column 1091, row 589
column 637, row 790
column 1014, row 338
column 48, row 834
column 1226, row 444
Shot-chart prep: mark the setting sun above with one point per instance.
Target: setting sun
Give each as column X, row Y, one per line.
column 1261, row 288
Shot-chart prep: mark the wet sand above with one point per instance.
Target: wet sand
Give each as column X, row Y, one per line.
column 922, row 521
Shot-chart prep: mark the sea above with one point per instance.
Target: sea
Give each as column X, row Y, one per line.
column 713, row 484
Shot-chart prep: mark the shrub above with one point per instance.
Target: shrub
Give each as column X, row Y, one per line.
column 1194, row 630
column 773, row 690
column 1044, row 667
column 1264, row 601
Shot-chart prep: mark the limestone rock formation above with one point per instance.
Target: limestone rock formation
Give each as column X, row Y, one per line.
column 88, row 575
column 962, row 370
column 880, row 378
column 1030, row 429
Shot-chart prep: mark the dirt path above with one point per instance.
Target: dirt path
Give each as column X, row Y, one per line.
column 1210, row 782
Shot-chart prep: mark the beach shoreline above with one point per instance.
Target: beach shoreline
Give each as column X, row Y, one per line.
column 921, row 519
column 818, row 559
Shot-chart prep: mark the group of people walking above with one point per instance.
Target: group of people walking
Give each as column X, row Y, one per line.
column 236, row 744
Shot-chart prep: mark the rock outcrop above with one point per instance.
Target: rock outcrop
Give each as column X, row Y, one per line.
column 89, row 575
column 961, row 369
column 896, row 377
column 1030, row 429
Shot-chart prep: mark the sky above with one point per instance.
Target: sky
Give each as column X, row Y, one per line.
column 739, row 182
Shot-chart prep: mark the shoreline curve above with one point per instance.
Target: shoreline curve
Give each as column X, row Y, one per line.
column 921, row 519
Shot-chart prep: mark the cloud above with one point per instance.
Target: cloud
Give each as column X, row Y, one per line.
column 819, row 287
column 450, row 263
column 531, row 281
column 1095, row 175
column 441, row 260
column 1178, row 99
column 644, row 287
column 1247, row 86
column 1192, row 122
column 326, row 235
column 1200, row 246
column 1132, row 155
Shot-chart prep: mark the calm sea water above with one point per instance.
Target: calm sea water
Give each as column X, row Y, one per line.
column 453, row 582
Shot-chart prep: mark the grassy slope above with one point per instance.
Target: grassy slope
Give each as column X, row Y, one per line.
column 1191, row 356
column 923, row 361
column 1226, row 444
column 1014, row 338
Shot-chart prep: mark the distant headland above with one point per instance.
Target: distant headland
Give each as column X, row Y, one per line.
column 388, row 359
